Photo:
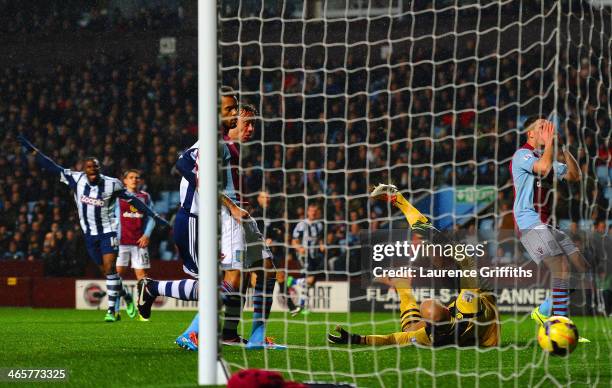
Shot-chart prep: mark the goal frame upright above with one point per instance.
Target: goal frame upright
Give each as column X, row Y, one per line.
column 207, row 187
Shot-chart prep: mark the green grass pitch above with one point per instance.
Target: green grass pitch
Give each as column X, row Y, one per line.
column 130, row 353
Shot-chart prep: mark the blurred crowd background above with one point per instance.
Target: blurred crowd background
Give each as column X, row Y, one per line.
column 342, row 106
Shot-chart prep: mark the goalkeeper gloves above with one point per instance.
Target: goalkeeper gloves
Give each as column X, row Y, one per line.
column 344, row 338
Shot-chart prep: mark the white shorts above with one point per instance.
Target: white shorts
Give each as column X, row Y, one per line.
column 242, row 244
column 138, row 256
column 543, row 241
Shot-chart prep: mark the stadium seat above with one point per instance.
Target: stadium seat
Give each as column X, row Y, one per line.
column 603, row 175
column 586, row 225
column 564, row 224
column 608, row 192
column 175, row 198
column 486, row 224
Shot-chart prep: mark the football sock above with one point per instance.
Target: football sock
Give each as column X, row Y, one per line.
column 410, row 212
column 233, row 306
column 285, row 293
column 546, row 306
column 560, row 297
column 113, row 287
column 194, row 327
column 186, row 289
column 262, row 299
column 409, row 309
column 125, row 294
column 305, row 292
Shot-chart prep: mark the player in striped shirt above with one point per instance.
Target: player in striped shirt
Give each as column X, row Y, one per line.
column 95, row 196
column 186, row 233
column 308, row 241
column 186, row 240
column 135, row 229
column 533, row 172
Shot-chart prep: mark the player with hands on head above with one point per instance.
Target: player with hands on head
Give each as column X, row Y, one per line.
column 533, row 174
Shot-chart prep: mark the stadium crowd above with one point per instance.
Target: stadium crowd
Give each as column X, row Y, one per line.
column 52, row 17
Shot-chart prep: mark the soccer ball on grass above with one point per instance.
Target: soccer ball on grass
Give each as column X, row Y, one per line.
column 558, row 336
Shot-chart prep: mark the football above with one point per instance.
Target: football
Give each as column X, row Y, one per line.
column 558, row 336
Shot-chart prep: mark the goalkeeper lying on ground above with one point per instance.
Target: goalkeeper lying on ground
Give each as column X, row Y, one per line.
column 471, row 319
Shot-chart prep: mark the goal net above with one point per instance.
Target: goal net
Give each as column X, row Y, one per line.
column 430, row 96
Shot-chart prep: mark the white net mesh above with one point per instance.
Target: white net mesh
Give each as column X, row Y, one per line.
column 429, row 96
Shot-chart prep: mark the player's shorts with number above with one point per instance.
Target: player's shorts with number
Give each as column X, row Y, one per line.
column 543, row 241
column 242, row 244
column 139, row 257
column 100, row 245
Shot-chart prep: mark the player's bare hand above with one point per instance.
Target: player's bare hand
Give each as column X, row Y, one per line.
column 239, row 213
column 548, row 133
column 143, row 242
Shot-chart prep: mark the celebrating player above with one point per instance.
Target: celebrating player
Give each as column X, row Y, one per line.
column 533, row 172
column 96, row 195
column 472, row 319
column 308, row 242
column 134, row 232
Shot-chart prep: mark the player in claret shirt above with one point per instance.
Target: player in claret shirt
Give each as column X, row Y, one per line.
column 534, row 169
column 135, row 229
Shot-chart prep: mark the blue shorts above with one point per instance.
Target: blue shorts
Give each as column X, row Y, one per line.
column 186, row 239
column 100, row 245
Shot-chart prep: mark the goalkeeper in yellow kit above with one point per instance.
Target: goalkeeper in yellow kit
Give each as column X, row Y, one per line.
column 472, row 319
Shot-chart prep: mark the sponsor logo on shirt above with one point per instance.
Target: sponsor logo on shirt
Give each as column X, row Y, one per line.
column 132, row 215
column 92, row 201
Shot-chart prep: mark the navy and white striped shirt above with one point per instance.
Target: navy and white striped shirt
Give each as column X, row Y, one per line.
column 310, row 235
column 188, row 167
column 95, row 201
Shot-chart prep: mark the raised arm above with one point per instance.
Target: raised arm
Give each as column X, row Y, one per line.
column 186, row 165
column 138, row 204
column 543, row 165
column 43, row 160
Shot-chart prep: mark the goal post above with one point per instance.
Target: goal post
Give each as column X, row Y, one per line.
column 207, row 166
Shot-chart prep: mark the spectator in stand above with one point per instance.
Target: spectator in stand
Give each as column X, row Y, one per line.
column 13, row 253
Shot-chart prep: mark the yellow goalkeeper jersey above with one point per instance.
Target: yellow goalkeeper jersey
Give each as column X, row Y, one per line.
column 474, row 321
